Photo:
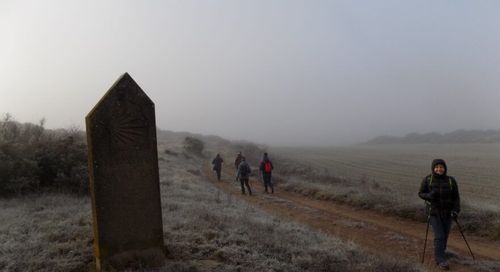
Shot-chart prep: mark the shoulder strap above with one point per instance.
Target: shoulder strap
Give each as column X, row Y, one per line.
column 430, row 182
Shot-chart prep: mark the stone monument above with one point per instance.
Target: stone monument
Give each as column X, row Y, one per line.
column 124, row 179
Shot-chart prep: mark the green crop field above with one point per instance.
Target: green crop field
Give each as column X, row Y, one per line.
column 402, row 166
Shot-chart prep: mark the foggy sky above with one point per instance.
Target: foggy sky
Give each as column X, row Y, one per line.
column 274, row 72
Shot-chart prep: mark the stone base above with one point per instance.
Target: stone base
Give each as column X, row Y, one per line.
column 146, row 258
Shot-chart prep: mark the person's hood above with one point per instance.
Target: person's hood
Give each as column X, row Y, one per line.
column 244, row 162
column 265, row 158
column 439, row 161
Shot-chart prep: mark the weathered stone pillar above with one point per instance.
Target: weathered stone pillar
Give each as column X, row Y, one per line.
column 124, row 181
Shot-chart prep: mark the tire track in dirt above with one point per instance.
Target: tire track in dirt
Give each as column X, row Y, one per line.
column 376, row 233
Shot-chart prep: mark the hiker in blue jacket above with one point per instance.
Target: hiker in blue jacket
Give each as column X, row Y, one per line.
column 243, row 175
column 441, row 195
column 266, row 168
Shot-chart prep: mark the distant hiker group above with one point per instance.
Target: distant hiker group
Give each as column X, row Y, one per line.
column 244, row 171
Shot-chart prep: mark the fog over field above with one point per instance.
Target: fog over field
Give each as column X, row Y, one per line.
column 273, row 72
column 402, row 167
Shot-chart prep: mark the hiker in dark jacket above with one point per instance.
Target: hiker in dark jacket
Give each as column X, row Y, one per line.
column 441, row 195
column 217, row 162
column 243, row 175
column 266, row 168
column 237, row 160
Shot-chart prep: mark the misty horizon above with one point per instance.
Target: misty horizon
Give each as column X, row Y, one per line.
column 278, row 73
column 377, row 139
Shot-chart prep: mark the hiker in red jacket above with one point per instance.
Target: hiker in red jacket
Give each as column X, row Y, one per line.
column 266, row 167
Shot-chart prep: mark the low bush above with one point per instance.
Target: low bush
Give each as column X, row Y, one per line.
column 194, row 146
column 33, row 159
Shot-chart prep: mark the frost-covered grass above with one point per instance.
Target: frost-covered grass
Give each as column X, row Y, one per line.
column 208, row 230
column 45, row 233
column 204, row 230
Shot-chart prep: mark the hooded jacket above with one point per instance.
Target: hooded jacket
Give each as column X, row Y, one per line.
column 244, row 170
column 217, row 162
column 440, row 191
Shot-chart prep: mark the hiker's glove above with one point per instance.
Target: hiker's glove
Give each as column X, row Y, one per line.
column 433, row 195
column 454, row 214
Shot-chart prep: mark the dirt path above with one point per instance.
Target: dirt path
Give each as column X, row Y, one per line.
column 376, row 233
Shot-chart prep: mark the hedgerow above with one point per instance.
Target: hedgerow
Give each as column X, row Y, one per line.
column 34, row 159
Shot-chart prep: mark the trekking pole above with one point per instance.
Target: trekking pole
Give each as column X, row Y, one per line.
column 461, row 232
column 426, row 233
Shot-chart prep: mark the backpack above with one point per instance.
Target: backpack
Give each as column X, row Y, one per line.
column 268, row 167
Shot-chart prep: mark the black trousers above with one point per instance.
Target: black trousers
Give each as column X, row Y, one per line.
column 244, row 181
column 267, row 181
column 217, row 172
column 441, row 224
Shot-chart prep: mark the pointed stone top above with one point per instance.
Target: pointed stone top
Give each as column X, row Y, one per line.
column 123, row 78
column 124, row 84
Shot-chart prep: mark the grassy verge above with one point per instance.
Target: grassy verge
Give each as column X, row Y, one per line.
column 367, row 193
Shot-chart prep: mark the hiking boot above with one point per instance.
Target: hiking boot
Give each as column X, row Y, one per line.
column 444, row 265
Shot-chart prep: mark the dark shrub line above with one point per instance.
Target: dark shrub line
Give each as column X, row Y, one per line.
column 34, row 159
